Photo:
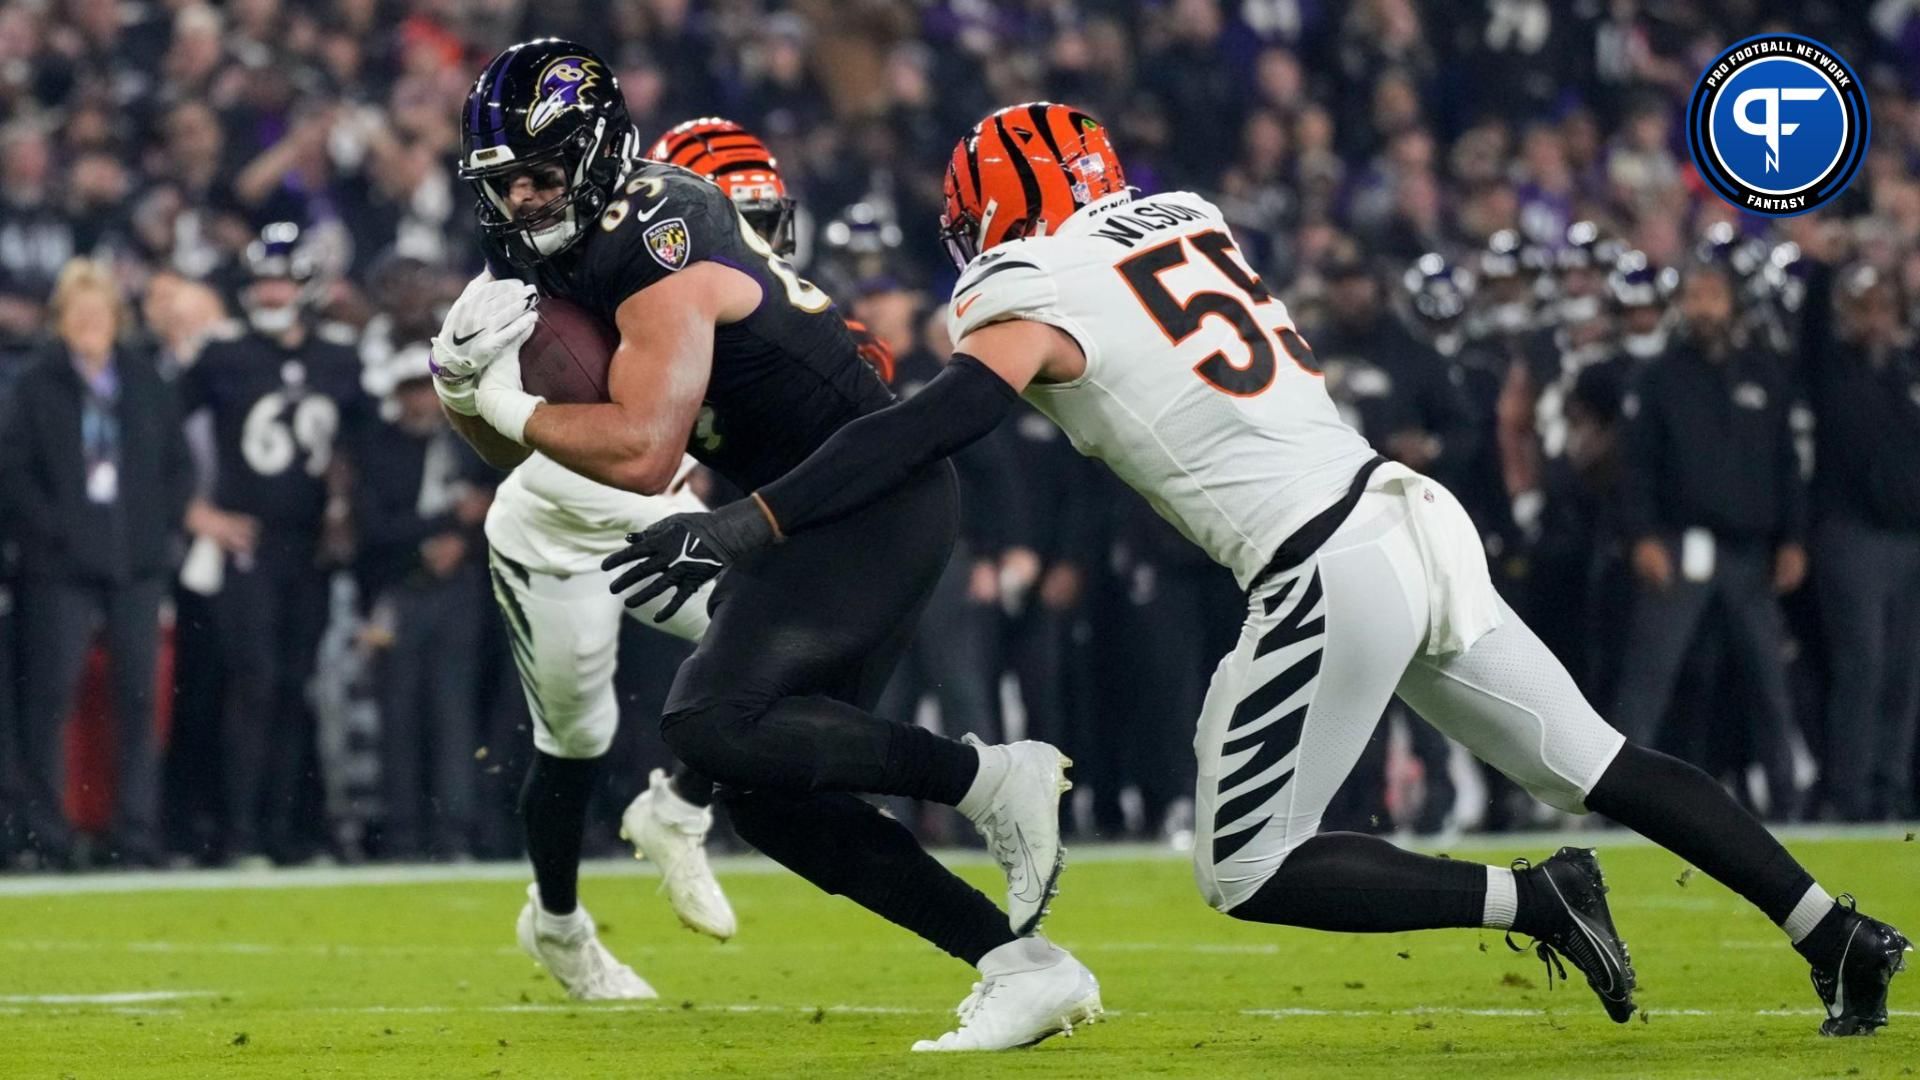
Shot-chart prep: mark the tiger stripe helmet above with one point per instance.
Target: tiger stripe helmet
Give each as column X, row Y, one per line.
column 1021, row 172
column 736, row 160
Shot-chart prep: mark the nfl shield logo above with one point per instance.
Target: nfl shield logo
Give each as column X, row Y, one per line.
column 669, row 243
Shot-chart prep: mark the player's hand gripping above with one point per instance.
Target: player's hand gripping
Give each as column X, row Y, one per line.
column 490, row 320
column 685, row 551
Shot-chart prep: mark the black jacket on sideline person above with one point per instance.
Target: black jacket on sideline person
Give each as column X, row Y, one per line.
column 1709, row 445
column 405, row 496
column 1867, row 437
column 43, row 476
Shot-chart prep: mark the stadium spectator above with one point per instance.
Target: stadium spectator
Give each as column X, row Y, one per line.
column 417, row 517
column 1865, row 387
column 278, row 397
column 94, row 476
column 1715, row 510
column 37, row 238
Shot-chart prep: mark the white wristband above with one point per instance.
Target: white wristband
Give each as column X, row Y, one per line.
column 507, row 409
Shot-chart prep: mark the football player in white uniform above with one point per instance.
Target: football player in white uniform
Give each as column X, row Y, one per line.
column 1135, row 323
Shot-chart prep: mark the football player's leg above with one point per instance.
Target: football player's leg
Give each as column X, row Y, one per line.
column 764, row 702
column 1287, row 715
column 564, row 639
column 303, row 610
column 1509, row 701
column 687, row 624
column 246, row 616
column 849, row 848
column 564, row 635
column 804, row 634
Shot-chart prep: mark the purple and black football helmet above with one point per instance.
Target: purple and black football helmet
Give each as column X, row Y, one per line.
column 549, row 109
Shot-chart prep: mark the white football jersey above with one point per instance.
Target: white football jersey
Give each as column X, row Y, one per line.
column 1198, row 391
column 551, row 519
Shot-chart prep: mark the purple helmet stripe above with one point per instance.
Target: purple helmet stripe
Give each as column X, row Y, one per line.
column 487, row 91
column 493, row 104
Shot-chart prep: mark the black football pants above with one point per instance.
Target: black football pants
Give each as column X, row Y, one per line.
column 773, row 706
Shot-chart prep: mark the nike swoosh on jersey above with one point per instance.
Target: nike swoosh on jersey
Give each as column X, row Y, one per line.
column 643, row 215
column 960, row 309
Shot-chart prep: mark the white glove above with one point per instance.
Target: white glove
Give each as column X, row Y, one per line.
column 490, row 320
column 500, row 400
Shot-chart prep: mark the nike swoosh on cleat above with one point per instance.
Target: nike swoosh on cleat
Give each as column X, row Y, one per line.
column 1026, row 857
column 1839, row 1007
column 1600, row 947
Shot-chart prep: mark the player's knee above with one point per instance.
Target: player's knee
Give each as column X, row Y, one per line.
column 574, row 729
column 1229, row 874
column 1576, row 755
column 577, row 743
column 712, row 740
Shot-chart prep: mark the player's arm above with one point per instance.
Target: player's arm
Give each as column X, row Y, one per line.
column 876, row 453
column 494, row 448
column 656, row 382
column 860, row 463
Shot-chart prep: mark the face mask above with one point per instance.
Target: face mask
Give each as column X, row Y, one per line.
column 1644, row 346
column 555, row 237
column 273, row 320
column 1579, row 309
column 1509, row 318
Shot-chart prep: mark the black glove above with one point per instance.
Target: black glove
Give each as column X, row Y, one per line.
column 685, row 551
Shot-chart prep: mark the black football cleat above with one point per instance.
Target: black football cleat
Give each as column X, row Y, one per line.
column 1584, row 933
column 1854, row 988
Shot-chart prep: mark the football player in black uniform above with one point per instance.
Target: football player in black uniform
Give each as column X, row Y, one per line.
column 727, row 354
column 278, row 396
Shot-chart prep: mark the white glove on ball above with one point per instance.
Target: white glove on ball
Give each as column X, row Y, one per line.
column 489, row 322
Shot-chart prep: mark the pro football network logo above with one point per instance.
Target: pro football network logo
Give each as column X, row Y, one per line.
column 562, row 85
column 1778, row 124
column 669, row 243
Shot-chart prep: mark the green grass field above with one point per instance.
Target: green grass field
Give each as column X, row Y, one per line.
column 336, row 975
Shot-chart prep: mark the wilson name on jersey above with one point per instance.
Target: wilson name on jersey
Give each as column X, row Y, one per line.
column 1199, row 392
column 784, row 378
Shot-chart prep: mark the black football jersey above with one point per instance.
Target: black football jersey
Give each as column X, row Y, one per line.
column 277, row 415
column 784, row 378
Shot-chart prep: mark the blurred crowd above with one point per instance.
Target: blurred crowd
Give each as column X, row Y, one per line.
column 235, row 522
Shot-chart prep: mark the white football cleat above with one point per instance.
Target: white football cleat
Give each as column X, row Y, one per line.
column 1029, row 989
column 573, row 955
column 673, row 833
column 1018, row 813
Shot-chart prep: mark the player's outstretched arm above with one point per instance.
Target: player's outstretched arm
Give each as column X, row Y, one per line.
column 658, row 377
column 876, row 453
column 860, row 463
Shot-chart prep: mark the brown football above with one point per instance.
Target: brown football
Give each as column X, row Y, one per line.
column 567, row 357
